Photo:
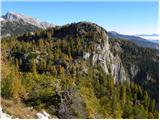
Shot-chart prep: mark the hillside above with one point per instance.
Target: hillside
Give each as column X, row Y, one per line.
column 76, row 71
column 14, row 28
column 141, row 64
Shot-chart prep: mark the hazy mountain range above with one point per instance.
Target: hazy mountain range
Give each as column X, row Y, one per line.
column 136, row 39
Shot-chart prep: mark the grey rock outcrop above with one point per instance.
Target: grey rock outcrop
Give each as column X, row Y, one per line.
column 133, row 71
column 103, row 56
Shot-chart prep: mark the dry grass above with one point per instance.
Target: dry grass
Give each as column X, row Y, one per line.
column 18, row 110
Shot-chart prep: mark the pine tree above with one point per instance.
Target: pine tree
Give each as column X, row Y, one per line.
column 146, row 99
column 54, row 71
column 34, row 68
column 119, row 111
column 44, row 65
column 61, row 71
column 140, row 93
column 17, row 89
column 17, row 64
column 49, row 65
column 152, row 106
column 136, row 88
column 20, row 62
column 111, row 84
column 78, row 45
column 123, row 95
column 114, row 103
column 73, row 68
column 116, row 108
column 6, row 85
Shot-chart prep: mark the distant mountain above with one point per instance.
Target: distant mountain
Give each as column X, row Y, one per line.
column 16, row 17
column 136, row 39
column 14, row 23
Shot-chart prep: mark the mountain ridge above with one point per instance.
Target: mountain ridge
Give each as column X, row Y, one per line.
column 136, row 39
column 13, row 24
column 21, row 18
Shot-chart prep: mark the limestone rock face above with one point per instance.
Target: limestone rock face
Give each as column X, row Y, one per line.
column 103, row 56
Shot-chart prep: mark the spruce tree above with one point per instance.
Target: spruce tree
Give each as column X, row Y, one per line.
column 17, row 90
column 123, row 95
column 116, row 107
column 54, row 71
column 152, row 106
column 146, row 99
column 34, row 68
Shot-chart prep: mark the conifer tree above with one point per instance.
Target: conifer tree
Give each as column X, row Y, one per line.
column 146, row 99
column 140, row 93
column 111, row 84
column 34, row 68
column 54, row 71
column 116, row 108
column 17, row 64
column 152, row 106
column 61, row 71
column 20, row 62
column 123, row 95
column 17, row 90
column 136, row 88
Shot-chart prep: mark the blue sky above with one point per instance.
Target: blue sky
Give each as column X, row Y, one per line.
column 124, row 17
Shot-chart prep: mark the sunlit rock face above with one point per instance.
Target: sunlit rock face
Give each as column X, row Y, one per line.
column 102, row 55
column 111, row 64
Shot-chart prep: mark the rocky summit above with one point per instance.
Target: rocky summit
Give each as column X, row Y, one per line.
column 13, row 23
column 17, row 17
